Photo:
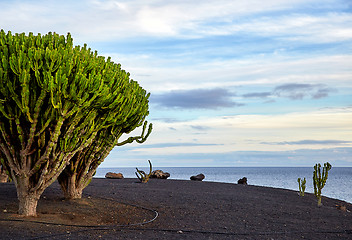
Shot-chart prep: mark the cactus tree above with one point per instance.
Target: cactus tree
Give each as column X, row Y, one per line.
column 51, row 97
column 319, row 179
column 118, row 120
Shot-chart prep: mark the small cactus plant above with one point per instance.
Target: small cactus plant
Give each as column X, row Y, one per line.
column 142, row 176
column 302, row 186
column 319, row 179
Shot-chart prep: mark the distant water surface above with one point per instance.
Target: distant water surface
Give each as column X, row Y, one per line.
column 338, row 185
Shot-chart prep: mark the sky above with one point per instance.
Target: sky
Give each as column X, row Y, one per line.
column 233, row 83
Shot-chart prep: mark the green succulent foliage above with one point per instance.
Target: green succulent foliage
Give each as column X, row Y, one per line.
column 319, row 179
column 301, row 186
column 142, row 176
column 55, row 98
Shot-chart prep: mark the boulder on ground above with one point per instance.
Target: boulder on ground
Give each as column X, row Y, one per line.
column 242, row 181
column 114, row 175
column 198, row 177
column 160, row 174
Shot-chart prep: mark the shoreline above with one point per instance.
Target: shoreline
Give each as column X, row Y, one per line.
column 190, row 210
column 278, row 177
column 277, row 188
column 209, row 181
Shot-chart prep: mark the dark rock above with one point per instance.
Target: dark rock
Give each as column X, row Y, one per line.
column 199, row 177
column 342, row 208
column 242, row 181
column 114, row 175
column 160, row 174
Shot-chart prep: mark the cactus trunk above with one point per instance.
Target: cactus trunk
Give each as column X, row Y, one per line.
column 27, row 203
column 319, row 201
column 70, row 187
column 27, row 199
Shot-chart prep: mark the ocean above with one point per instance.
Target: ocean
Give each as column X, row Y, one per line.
column 338, row 185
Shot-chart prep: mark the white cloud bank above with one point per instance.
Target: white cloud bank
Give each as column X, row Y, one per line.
column 326, row 128
column 109, row 19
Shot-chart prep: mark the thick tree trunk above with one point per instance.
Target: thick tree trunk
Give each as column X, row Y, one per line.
column 28, row 205
column 27, row 198
column 70, row 187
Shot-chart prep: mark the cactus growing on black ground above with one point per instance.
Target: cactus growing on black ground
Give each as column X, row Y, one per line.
column 54, row 100
column 319, row 179
column 142, row 176
column 301, row 186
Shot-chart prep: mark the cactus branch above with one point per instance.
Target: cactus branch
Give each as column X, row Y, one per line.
column 142, row 176
column 301, row 186
column 140, row 139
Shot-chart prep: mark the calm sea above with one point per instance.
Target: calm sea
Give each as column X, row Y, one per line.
column 338, row 185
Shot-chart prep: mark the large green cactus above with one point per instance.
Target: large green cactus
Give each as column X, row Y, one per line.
column 54, row 100
column 319, row 179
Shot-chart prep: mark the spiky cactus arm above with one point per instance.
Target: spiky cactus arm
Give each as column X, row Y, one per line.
column 299, row 186
column 139, row 139
column 142, row 176
column 302, row 186
column 50, row 96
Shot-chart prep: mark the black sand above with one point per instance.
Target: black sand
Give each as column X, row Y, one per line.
column 185, row 209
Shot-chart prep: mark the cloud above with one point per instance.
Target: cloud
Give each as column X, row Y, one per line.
column 257, row 95
column 171, row 145
column 256, row 140
column 300, row 157
column 111, row 19
column 310, row 142
column 167, row 120
column 256, row 131
column 297, row 91
column 196, row 99
column 322, row 93
column 199, row 127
